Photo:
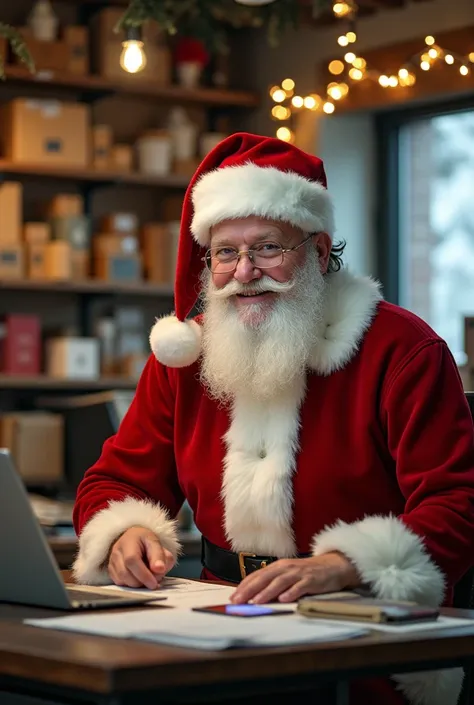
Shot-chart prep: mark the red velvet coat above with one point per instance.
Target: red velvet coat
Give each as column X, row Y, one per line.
column 372, row 455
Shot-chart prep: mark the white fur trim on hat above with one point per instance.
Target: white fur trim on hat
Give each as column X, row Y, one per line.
column 176, row 343
column 242, row 191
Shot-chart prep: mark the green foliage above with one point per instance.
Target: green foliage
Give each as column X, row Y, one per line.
column 18, row 46
column 209, row 20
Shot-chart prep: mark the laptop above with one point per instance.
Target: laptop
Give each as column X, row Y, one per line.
column 29, row 574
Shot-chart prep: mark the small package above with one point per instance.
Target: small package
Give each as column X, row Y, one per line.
column 73, row 358
column 20, row 345
column 12, row 261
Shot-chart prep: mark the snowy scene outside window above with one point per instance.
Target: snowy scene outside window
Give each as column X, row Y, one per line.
column 437, row 223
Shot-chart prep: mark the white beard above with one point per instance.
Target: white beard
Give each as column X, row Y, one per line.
column 261, row 360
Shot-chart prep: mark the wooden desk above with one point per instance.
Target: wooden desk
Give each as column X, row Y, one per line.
column 44, row 667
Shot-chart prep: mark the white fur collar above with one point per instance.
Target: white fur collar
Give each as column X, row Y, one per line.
column 350, row 306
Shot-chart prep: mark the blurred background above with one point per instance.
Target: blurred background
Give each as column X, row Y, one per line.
column 99, row 141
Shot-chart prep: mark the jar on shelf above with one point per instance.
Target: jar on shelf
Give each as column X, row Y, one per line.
column 155, row 152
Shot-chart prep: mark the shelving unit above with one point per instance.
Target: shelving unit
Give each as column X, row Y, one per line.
column 86, row 286
column 91, row 176
column 96, row 86
column 41, row 382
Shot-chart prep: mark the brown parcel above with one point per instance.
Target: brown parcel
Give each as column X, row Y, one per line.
column 27, row 435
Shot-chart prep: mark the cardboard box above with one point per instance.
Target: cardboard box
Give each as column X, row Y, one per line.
column 118, row 267
column 74, row 229
column 102, row 141
column 11, row 205
column 73, row 358
column 47, row 56
column 46, row 132
column 28, row 435
column 76, row 38
column 114, row 244
column 121, row 157
column 80, row 264
column 3, row 50
column 124, row 223
column 36, row 233
column 58, row 260
column 36, row 260
column 12, row 261
column 157, row 241
column 65, row 204
column 107, row 48
column 20, row 345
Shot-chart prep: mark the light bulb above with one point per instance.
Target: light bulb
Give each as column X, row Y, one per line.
column 393, row 82
column 133, row 58
column 279, row 95
column 328, row 107
column 288, row 84
column 433, row 53
column 359, row 63
column 284, row 134
column 471, row 57
column 336, row 67
column 349, row 57
column 342, row 40
column 449, row 58
column 464, row 70
column 429, row 40
column 403, row 73
column 310, row 102
column 351, row 37
column 425, row 66
column 384, row 81
column 297, row 101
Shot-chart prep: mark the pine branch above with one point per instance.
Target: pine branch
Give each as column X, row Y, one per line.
column 18, row 46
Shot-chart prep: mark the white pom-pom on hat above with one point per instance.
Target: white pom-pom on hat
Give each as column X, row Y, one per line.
column 176, row 343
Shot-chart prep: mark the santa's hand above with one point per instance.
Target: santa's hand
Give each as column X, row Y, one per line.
column 289, row 579
column 138, row 559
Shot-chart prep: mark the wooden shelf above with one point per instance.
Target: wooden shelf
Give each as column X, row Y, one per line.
column 133, row 87
column 45, row 382
column 87, row 286
column 92, row 175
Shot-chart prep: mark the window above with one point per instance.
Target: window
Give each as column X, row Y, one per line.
column 427, row 257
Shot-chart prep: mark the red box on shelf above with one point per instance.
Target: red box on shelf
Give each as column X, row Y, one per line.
column 20, row 345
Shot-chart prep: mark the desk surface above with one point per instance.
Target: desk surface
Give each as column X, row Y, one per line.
column 110, row 666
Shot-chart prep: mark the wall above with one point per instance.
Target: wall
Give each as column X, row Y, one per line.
column 345, row 142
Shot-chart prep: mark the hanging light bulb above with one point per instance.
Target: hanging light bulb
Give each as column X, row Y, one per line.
column 464, row 70
column 133, row 58
column 285, row 134
column 449, row 58
column 328, row 107
column 336, row 67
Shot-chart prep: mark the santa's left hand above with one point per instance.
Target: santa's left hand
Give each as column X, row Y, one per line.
column 288, row 579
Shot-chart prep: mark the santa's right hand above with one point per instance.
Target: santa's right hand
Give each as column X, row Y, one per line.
column 138, row 559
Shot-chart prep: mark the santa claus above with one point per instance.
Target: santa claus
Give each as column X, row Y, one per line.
column 320, row 435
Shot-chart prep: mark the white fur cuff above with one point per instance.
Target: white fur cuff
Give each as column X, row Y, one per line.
column 108, row 524
column 388, row 556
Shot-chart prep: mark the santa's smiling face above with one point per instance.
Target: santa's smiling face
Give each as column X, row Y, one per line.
column 263, row 297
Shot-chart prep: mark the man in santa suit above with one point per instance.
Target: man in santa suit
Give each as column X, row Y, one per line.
column 320, row 435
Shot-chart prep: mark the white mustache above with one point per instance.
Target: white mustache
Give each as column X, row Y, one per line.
column 261, row 286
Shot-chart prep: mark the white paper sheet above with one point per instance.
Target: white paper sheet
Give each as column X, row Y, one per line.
column 182, row 627
column 179, row 592
column 437, row 625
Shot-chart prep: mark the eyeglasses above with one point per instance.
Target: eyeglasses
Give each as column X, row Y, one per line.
column 263, row 255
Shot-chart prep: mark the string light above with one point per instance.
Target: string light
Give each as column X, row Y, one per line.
column 355, row 68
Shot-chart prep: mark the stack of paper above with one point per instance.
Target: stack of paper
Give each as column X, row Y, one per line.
column 198, row 630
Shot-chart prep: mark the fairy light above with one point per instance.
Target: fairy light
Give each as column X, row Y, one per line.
column 285, row 134
column 278, row 95
column 288, row 84
column 336, row 67
column 355, row 67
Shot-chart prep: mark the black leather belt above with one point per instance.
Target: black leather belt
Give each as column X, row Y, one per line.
column 229, row 566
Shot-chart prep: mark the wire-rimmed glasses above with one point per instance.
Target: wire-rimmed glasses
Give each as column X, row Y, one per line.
column 224, row 259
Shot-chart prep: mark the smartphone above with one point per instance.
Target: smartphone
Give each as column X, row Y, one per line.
column 243, row 610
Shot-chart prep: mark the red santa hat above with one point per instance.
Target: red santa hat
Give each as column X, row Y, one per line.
column 243, row 175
